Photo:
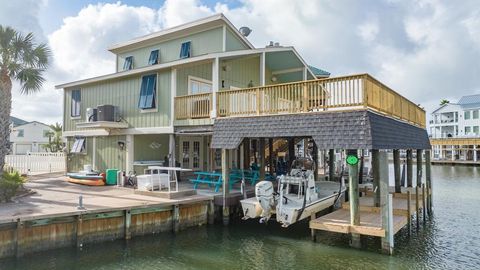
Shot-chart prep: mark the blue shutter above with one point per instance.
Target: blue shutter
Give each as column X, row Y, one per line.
column 185, row 50
column 147, row 92
column 76, row 99
column 128, row 63
column 153, row 60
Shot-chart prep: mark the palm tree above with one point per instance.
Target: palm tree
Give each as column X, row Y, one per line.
column 444, row 101
column 24, row 61
column 55, row 143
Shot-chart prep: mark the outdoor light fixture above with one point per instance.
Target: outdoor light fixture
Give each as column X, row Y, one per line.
column 121, row 144
column 352, row 160
column 274, row 78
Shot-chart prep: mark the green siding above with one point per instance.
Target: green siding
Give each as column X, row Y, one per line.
column 232, row 42
column 123, row 93
column 203, row 71
column 240, row 72
column 151, row 147
column 75, row 162
column 202, row 43
column 109, row 154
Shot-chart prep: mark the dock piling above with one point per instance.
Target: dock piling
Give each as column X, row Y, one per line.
column 128, row 221
column 79, row 228
column 331, row 164
column 176, row 218
column 424, row 209
column 417, row 208
column 226, row 185
column 409, row 209
column 211, row 213
column 376, row 178
column 19, row 238
column 419, row 167
column 409, row 168
column 396, row 169
column 386, row 204
column 428, row 180
column 354, row 200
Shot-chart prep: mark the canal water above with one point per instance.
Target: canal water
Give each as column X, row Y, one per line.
column 449, row 240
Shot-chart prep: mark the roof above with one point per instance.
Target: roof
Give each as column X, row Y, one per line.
column 17, row 121
column 319, row 72
column 32, row 122
column 201, row 24
column 471, row 99
column 330, row 130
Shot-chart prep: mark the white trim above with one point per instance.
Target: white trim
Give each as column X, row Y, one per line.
column 224, row 38
column 262, row 69
column 106, row 132
column 215, row 86
column 198, row 79
column 290, row 70
column 234, row 87
column 154, row 110
column 129, row 152
column 173, row 94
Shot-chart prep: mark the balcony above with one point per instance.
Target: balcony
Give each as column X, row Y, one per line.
column 341, row 93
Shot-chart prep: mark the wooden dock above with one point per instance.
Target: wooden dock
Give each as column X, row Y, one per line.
column 370, row 216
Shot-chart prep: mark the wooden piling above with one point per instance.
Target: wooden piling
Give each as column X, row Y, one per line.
column 226, row 186
column 128, row 222
column 79, row 227
column 19, row 238
column 424, row 209
column 428, row 181
column 354, row 200
column 417, row 208
column 315, row 160
column 409, row 209
column 409, row 168
column 211, row 212
column 313, row 234
column 419, row 167
column 261, row 149
column 396, row 169
column 386, row 204
column 291, row 151
column 176, row 218
column 376, row 178
column 331, row 164
column 271, row 165
column 246, row 153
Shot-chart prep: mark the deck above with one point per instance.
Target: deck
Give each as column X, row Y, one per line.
column 370, row 216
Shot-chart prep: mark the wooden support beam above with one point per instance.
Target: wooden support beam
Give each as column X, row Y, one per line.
column 261, row 149
column 428, row 180
column 417, row 207
column 211, row 212
column 409, row 168
column 226, row 190
column 331, row 164
column 354, row 200
column 246, row 153
column 386, row 204
column 396, row 169
column 128, row 222
column 270, row 156
column 291, row 152
column 176, row 218
column 419, row 167
column 376, row 177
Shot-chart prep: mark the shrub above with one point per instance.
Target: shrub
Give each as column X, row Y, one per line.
column 9, row 185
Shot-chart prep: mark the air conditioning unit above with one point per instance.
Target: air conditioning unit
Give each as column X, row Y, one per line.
column 91, row 115
column 108, row 113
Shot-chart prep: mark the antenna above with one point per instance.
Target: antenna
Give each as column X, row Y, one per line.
column 245, row 31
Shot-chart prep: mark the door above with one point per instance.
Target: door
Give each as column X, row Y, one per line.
column 191, row 153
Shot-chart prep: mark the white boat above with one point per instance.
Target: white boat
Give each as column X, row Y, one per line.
column 297, row 197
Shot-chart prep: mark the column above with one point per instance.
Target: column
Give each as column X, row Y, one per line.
column 225, row 189
column 262, row 69
column 353, row 199
column 453, row 152
column 428, row 180
column 331, row 164
column 396, row 170
column 130, row 152
column 94, row 154
column 261, row 151
column 215, row 83
column 386, row 204
column 171, row 150
column 376, row 177
column 419, row 167
column 409, row 168
column 474, row 153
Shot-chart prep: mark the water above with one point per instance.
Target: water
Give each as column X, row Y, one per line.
column 450, row 240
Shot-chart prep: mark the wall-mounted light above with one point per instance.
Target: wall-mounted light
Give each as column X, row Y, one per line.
column 226, row 68
column 274, row 78
column 121, row 144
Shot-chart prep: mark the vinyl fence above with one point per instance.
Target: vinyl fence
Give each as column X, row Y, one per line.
column 34, row 163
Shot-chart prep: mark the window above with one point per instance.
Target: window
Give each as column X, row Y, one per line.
column 76, row 100
column 153, row 60
column 128, row 64
column 475, row 130
column 466, row 115
column 78, row 146
column 475, row 114
column 467, row 130
column 185, row 50
column 198, row 85
column 147, row 92
column 20, row 133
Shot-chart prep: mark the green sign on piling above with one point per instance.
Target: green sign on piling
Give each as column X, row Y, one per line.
column 352, row 160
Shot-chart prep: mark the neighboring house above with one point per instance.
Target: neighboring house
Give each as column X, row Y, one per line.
column 171, row 87
column 452, row 124
column 28, row 136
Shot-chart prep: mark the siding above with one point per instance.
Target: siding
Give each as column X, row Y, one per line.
column 202, row 43
column 240, row 72
column 75, row 162
column 203, row 71
column 151, row 147
column 109, row 155
column 233, row 43
column 123, row 93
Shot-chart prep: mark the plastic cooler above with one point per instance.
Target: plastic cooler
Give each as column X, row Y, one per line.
column 111, row 178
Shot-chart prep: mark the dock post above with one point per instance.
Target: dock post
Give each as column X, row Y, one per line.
column 417, row 208
column 386, row 204
column 291, row 151
column 312, row 231
column 353, row 199
column 79, row 237
column 331, row 164
column 376, row 178
column 409, row 168
column 176, row 218
column 396, row 169
column 211, row 213
column 428, row 180
column 226, row 186
column 128, row 222
column 246, row 153
column 261, row 151
column 409, row 209
column 271, row 166
column 315, row 159
column 419, row 167
column 19, row 239
column 424, row 210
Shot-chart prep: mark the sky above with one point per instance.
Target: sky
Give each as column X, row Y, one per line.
column 426, row 50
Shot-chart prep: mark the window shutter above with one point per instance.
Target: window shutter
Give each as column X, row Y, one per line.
column 153, row 60
column 147, row 92
column 185, row 50
column 128, row 64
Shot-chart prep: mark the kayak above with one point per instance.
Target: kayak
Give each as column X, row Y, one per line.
column 86, row 179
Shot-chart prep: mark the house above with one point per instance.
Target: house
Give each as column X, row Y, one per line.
column 454, row 129
column 28, row 136
column 186, row 92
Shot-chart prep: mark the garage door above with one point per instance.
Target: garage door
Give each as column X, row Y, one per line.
column 22, row 149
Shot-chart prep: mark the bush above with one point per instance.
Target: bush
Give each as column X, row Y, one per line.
column 9, row 185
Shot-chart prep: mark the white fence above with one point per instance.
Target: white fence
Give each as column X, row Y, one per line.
column 33, row 163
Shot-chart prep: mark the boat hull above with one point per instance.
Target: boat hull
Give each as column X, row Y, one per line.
column 289, row 215
column 251, row 208
column 87, row 182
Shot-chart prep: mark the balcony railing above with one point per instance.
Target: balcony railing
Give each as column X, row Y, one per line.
column 193, row 106
column 348, row 92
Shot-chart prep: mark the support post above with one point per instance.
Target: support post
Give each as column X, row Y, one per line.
column 376, row 177
column 211, row 212
column 19, row 239
column 428, row 180
column 409, row 209
column 331, row 164
column 354, row 200
column 171, row 150
column 270, row 156
column 313, row 234
column 246, row 153
column 291, row 151
column 130, row 152
column 215, row 87
column 417, row 207
column 424, row 209
column 386, row 204
column 94, row 154
column 176, row 218
column 79, row 237
column 409, row 168
column 315, row 160
column 396, row 169
column 419, row 167
column 261, row 151
column 226, row 186
column 128, row 222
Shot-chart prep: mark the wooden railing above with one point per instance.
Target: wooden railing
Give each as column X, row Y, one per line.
column 348, row 92
column 193, row 106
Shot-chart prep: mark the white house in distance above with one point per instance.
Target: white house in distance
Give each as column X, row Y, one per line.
column 28, row 136
column 455, row 130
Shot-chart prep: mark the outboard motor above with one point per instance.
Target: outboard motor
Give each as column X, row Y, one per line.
column 264, row 194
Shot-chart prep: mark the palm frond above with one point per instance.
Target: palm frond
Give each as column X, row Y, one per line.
column 42, row 55
column 30, row 79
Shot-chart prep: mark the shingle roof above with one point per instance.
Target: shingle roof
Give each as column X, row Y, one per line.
column 471, row 99
column 330, row 130
column 319, row 72
column 17, row 121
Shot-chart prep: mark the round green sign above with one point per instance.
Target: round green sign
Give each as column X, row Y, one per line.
column 352, row 160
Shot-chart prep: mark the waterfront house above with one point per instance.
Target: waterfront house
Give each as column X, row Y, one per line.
column 186, row 92
column 454, row 130
column 28, row 137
